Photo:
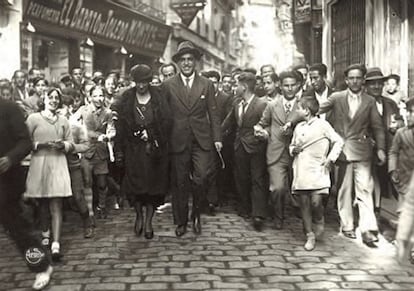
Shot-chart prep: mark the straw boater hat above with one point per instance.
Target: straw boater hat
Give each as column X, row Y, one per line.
column 186, row 47
column 374, row 74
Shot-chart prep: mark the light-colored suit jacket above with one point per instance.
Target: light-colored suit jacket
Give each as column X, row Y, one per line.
column 274, row 116
column 360, row 132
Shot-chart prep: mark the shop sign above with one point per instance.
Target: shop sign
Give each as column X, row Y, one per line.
column 187, row 9
column 302, row 11
column 102, row 20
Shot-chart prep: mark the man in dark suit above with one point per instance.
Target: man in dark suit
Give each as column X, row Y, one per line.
column 14, row 146
column 250, row 151
column 218, row 177
column 357, row 121
column 391, row 121
column 272, row 125
column 195, row 133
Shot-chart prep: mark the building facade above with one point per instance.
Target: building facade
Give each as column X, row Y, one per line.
column 373, row 32
column 58, row 35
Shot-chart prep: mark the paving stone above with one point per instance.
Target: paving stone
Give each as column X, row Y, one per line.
column 228, row 272
column 191, row 286
column 285, row 279
column 243, row 265
column 364, row 277
column 202, row 277
column 162, row 278
column 184, row 271
column 325, row 277
column 150, row 286
column 70, row 288
column 302, row 272
column 105, row 286
column 223, row 285
column 362, row 285
column 317, row 285
column 207, row 264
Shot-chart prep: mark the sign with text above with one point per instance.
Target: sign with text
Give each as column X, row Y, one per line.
column 187, row 9
column 102, row 21
column 302, row 11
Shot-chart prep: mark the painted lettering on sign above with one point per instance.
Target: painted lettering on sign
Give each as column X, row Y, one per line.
column 99, row 19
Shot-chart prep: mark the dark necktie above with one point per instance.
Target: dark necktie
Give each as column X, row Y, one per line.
column 288, row 108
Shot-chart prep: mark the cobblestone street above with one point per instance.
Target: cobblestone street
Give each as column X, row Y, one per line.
column 229, row 255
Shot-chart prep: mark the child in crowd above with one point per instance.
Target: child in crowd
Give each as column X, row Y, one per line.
column 311, row 143
column 401, row 155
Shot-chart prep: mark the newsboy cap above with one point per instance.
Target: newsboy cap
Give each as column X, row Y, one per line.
column 360, row 67
column 186, row 47
column 141, row 73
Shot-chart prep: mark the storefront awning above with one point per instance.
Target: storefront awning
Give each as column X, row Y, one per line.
column 105, row 22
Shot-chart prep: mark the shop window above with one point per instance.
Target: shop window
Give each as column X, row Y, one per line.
column 51, row 55
column 86, row 59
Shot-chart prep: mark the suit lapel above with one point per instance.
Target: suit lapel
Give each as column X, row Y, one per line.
column 182, row 93
column 250, row 109
column 195, row 93
column 362, row 106
column 280, row 110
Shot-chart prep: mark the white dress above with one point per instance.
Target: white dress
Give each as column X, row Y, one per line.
column 48, row 175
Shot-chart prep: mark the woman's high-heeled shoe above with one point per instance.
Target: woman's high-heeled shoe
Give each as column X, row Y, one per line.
column 149, row 231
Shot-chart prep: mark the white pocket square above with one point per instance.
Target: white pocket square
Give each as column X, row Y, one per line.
column 203, row 97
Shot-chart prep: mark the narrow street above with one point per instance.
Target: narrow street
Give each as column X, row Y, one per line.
column 229, row 255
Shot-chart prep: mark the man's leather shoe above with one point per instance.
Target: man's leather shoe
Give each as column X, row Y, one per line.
column 180, row 230
column 349, row 234
column 257, row 223
column 369, row 238
column 278, row 223
column 196, row 225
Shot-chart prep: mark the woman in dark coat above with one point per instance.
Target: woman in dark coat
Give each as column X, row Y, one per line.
column 141, row 145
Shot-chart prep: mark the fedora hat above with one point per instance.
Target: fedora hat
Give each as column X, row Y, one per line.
column 141, row 73
column 373, row 74
column 186, row 47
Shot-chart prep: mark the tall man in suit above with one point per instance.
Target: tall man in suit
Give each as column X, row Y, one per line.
column 250, row 151
column 357, row 121
column 391, row 121
column 272, row 126
column 195, row 133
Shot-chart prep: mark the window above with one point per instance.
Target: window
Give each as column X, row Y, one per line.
column 86, row 59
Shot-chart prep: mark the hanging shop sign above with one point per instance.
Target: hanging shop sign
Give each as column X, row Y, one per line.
column 105, row 22
column 187, row 9
column 302, row 9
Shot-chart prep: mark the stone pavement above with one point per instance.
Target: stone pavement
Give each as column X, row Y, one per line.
column 229, row 255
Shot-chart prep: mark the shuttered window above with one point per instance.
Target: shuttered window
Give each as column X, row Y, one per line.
column 348, row 36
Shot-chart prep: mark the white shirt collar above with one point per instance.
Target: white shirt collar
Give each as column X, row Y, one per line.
column 191, row 79
column 323, row 96
column 354, row 95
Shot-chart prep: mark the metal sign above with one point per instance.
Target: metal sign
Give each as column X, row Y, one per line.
column 302, row 11
column 187, row 9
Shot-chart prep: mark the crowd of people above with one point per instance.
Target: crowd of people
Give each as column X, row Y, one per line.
column 265, row 140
